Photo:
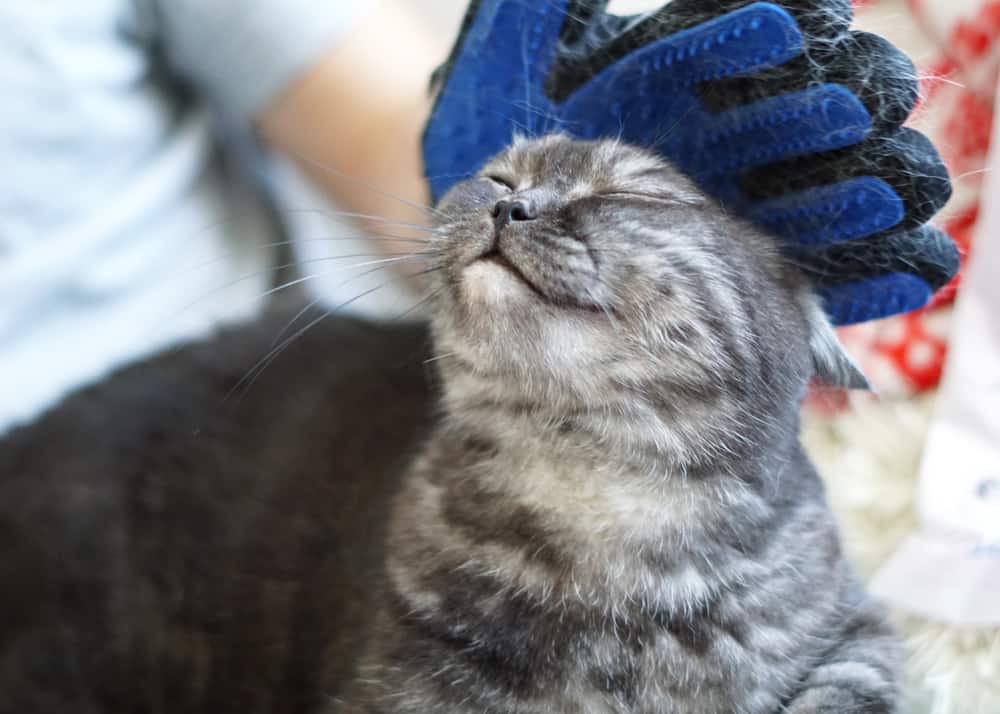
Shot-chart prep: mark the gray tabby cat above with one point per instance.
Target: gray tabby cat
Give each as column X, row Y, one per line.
column 612, row 513
column 615, row 514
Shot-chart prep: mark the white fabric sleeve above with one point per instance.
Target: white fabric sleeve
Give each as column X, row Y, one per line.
column 242, row 53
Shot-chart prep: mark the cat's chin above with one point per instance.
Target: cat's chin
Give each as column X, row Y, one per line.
column 492, row 283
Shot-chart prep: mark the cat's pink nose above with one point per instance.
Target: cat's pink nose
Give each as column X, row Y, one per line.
column 513, row 209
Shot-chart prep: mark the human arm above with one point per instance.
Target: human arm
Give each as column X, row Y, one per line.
column 353, row 119
column 317, row 82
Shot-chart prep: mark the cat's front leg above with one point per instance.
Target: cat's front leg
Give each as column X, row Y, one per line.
column 858, row 674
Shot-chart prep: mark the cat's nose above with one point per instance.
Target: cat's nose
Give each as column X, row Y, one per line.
column 513, row 209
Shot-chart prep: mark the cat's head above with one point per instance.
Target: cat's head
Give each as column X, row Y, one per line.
column 576, row 267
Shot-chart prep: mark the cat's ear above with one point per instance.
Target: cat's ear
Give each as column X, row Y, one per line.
column 832, row 364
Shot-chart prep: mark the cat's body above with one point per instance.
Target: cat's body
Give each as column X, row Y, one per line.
column 164, row 548
column 612, row 512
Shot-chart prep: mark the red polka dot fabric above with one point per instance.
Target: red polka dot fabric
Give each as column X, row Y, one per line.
column 905, row 355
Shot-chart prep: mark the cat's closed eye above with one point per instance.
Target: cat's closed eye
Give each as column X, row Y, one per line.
column 663, row 198
column 501, row 181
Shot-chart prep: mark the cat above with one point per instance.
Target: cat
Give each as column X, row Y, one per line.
column 578, row 489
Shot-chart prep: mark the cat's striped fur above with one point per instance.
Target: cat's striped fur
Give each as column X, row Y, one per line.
column 611, row 515
column 616, row 514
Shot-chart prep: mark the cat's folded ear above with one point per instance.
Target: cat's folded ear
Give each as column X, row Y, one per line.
column 832, row 364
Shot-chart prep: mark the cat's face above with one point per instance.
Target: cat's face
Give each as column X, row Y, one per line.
column 588, row 265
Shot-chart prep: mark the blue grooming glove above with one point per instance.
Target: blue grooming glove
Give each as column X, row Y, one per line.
column 775, row 108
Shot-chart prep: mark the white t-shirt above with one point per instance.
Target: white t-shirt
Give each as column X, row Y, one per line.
column 121, row 229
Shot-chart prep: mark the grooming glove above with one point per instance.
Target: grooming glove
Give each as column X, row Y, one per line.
column 776, row 109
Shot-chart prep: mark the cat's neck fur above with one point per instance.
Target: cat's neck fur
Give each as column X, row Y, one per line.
column 584, row 502
column 642, row 427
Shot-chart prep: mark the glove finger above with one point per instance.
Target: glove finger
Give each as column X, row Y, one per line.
column 905, row 160
column 815, row 18
column 874, row 298
column 473, row 13
column 892, row 272
column 798, row 124
column 750, row 39
column 609, row 39
column 869, row 66
column 508, row 33
column 819, row 216
column 491, row 86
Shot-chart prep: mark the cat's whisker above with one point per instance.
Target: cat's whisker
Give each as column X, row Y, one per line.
column 254, row 373
column 361, row 237
column 423, row 301
column 941, row 78
column 974, row 172
column 383, row 263
column 316, row 301
column 520, row 128
column 422, row 207
column 540, row 112
column 258, row 368
column 333, row 213
column 378, row 239
column 284, row 330
column 436, row 358
column 285, row 266
column 662, row 136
